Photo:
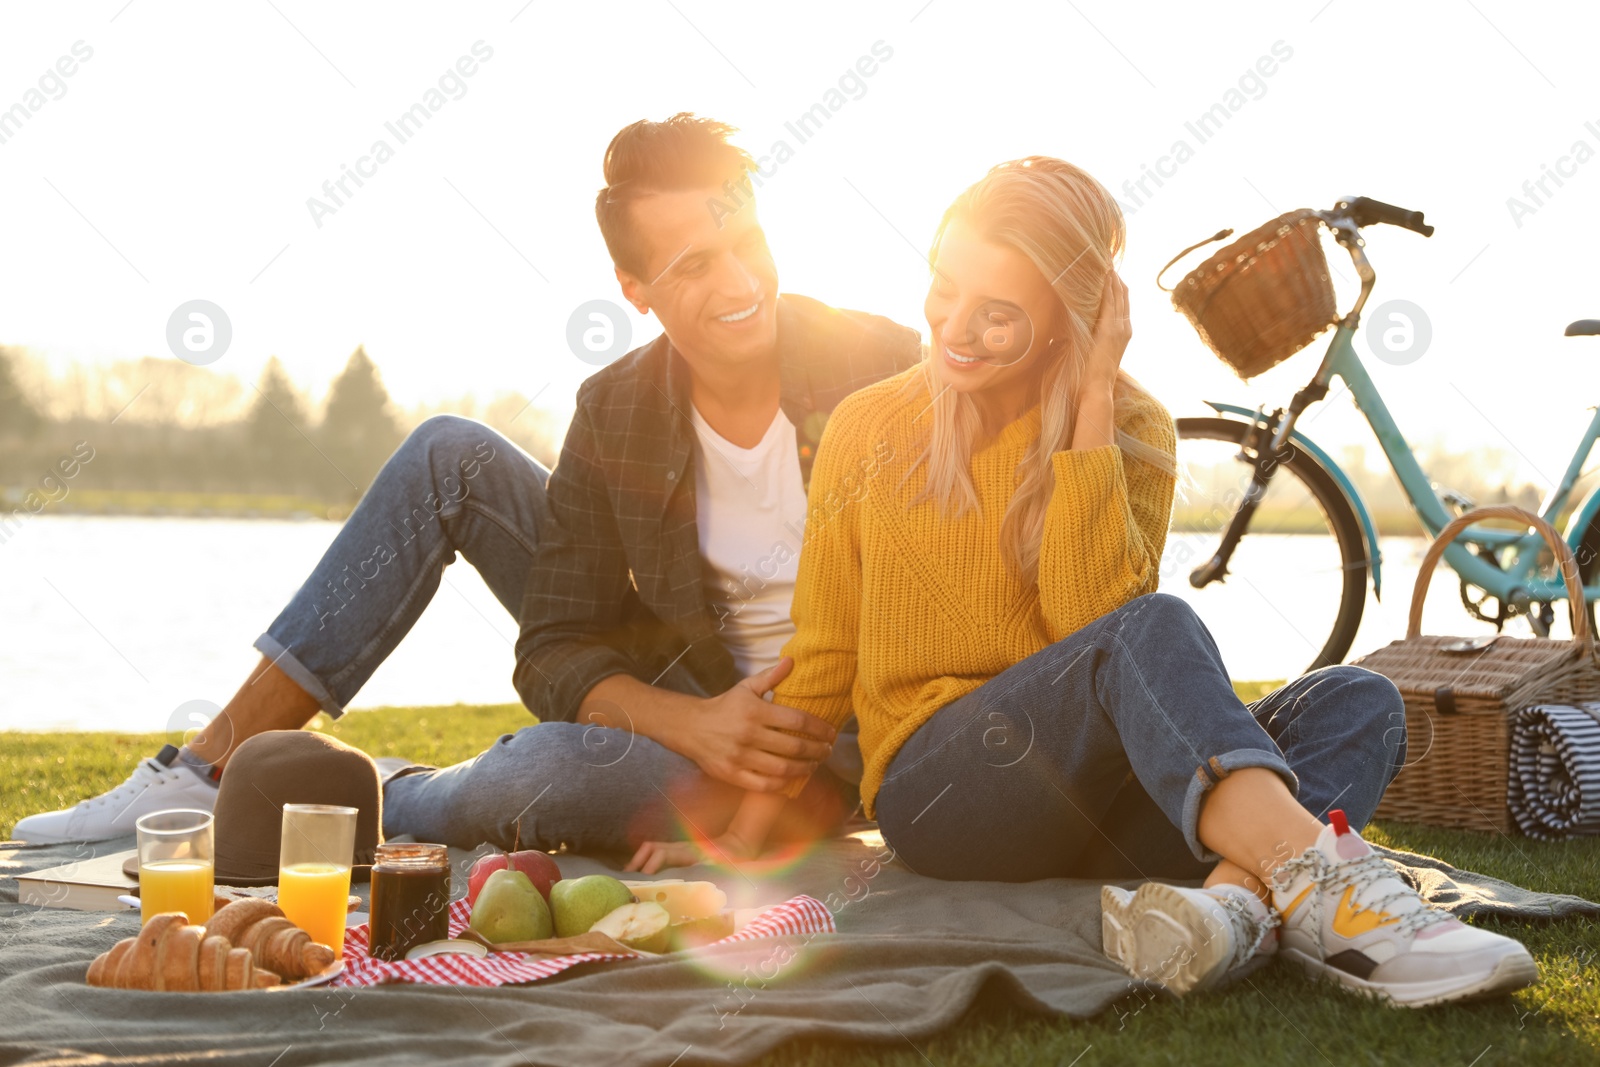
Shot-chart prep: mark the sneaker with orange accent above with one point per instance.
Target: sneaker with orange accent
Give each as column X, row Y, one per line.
column 1348, row 916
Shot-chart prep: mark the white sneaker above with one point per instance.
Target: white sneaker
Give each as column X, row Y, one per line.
column 153, row 786
column 1348, row 916
column 1186, row 939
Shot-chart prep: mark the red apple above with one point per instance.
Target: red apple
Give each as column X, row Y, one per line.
column 538, row 866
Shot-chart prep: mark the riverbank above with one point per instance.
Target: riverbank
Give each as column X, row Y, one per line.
column 155, row 503
column 152, row 503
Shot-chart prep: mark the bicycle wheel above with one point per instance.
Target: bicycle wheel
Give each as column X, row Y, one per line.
column 1295, row 585
column 1588, row 556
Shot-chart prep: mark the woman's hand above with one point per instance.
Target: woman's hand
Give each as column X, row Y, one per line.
column 1113, row 329
column 653, row 856
column 1093, row 423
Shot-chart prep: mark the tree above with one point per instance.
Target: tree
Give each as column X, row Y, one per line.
column 275, row 428
column 358, row 430
column 18, row 416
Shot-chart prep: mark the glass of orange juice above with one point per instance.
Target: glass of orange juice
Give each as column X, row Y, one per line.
column 318, row 846
column 175, row 864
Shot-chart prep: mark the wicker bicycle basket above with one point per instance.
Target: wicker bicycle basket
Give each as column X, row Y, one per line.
column 1462, row 695
column 1262, row 298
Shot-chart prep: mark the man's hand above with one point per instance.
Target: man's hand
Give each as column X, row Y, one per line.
column 737, row 737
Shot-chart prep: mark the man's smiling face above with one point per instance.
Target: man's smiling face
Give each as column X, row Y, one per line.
column 714, row 288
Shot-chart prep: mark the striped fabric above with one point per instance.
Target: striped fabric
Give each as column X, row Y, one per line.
column 799, row 915
column 1554, row 790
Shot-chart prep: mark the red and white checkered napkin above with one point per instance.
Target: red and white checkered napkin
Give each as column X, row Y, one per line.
column 798, row 915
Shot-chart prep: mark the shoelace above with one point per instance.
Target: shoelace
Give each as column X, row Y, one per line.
column 155, row 778
column 1261, row 927
column 1359, row 873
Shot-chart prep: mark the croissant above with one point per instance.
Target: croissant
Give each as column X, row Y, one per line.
column 170, row 955
column 274, row 942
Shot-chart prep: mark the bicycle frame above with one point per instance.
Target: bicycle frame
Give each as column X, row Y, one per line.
column 1515, row 584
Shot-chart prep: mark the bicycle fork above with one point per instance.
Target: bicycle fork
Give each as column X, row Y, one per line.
column 1263, row 462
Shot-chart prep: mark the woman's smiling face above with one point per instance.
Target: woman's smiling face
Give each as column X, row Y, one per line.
column 991, row 317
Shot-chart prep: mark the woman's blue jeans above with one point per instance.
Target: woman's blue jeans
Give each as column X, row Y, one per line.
column 1091, row 758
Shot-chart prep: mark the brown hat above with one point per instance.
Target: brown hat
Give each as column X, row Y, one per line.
column 290, row 767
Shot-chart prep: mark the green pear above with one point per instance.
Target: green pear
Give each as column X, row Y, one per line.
column 578, row 903
column 511, row 908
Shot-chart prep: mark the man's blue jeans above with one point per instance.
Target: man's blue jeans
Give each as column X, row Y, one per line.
column 1091, row 758
column 590, row 788
column 454, row 486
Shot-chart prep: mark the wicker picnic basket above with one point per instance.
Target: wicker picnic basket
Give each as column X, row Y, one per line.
column 1264, row 297
column 1462, row 695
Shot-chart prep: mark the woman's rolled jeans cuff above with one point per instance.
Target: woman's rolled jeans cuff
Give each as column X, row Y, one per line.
column 1212, row 773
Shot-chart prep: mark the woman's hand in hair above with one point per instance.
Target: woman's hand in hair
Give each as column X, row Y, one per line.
column 1093, row 425
column 1113, row 329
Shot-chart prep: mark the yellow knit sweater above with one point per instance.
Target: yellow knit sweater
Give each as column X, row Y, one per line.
column 900, row 610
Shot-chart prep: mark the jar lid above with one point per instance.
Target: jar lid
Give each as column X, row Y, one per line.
column 411, row 854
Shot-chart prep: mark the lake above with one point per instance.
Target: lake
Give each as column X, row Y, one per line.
column 114, row 623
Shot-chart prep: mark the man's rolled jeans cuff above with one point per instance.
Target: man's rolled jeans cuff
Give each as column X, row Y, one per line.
column 1213, row 771
column 298, row 673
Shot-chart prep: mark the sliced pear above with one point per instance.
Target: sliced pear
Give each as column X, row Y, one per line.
column 700, row 932
column 646, row 926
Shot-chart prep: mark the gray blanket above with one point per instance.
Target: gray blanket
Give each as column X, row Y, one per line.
column 911, row 956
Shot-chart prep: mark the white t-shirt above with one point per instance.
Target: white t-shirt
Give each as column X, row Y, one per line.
column 750, row 506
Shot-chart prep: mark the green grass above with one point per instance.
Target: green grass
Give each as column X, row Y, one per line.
column 44, row 771
column 1277, row 1017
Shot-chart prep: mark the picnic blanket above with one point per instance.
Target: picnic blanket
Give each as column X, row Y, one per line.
column 910, row 957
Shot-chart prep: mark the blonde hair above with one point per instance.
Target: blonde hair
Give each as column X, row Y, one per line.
column 1072, row 229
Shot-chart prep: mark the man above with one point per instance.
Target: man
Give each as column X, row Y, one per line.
column 651, row 571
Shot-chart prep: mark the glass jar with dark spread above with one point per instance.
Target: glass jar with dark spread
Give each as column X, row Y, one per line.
column 410, row 898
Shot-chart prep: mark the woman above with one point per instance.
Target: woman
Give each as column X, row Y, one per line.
column 978, row 585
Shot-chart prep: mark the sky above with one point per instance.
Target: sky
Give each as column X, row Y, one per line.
column 185, row 156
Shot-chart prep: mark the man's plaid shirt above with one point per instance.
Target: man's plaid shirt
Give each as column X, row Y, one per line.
column 616, row 585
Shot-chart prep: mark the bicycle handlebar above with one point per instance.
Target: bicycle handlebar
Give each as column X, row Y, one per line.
column 1364, row 211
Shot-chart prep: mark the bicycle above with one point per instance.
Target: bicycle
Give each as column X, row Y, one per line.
column 1503, row 564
